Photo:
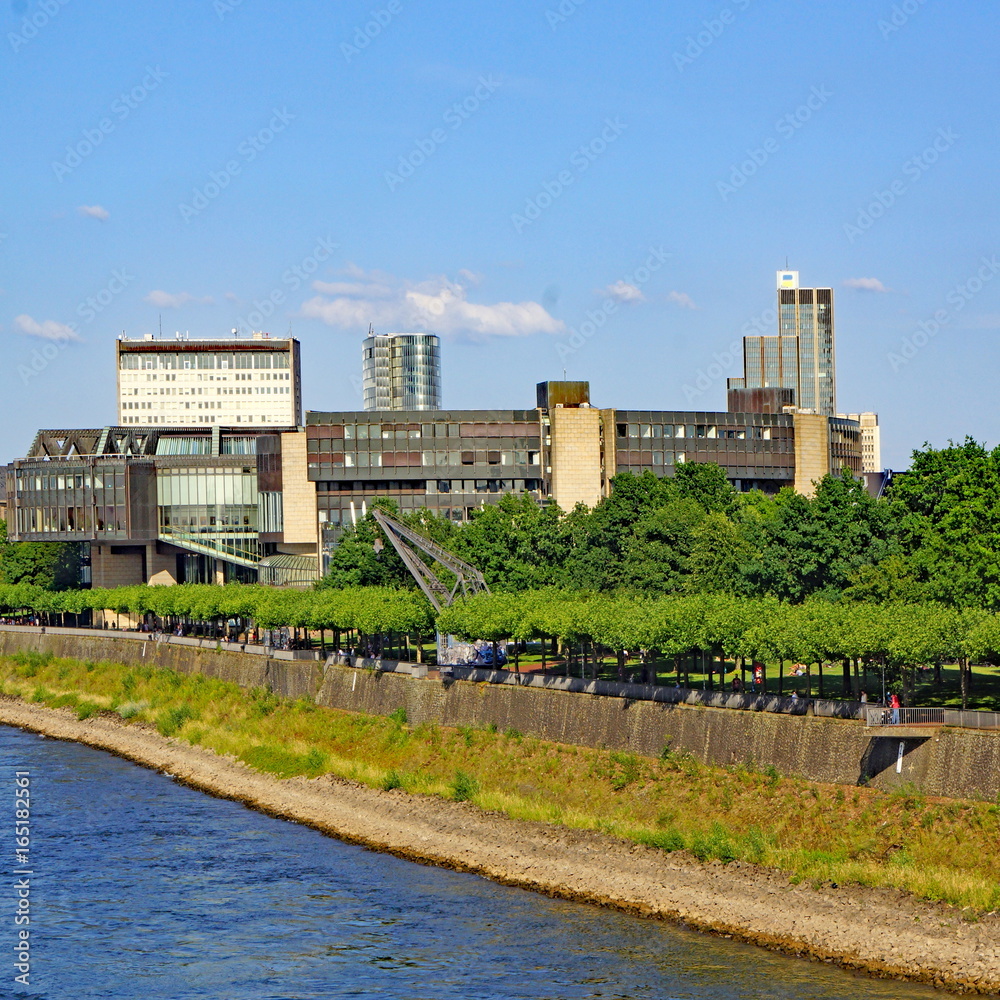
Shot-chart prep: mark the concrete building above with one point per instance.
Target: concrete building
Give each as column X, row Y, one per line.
column 801, row 357
column 401, row 371
column 255, row 381
column 871, row 441
column 213, row 503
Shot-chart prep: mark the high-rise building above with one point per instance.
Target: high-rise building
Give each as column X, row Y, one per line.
column 801, row 356
column 254, row 380
column 871, row 442
column 402, row 371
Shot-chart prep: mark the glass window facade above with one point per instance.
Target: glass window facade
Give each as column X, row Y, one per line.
column 401, row 371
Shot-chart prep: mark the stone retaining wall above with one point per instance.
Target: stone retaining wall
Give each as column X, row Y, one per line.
column 958, row 763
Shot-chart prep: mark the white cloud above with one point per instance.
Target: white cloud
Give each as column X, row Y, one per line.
column 48, row 329
column 682, row 299
column 622, row 291
column 866, row 284
column 438, row 304
column 94, row 211
column 165, row 300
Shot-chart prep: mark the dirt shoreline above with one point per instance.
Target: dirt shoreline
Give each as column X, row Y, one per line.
column 883, row 932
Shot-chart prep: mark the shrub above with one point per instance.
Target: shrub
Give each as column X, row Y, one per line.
column 86, row 709
column 714, row 844
column 130, row 709
column 169, row 721
column 262, row 702
column 464, row 787
column 283, row 763
column 399, row 716
column 393, row 779
column 666, row 840
column 31, row 661
column 623, row 770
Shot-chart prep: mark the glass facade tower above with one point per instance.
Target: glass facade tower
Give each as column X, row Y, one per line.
column 801, row 357
column 402, row 371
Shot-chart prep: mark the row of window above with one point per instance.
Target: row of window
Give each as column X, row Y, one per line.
column 654, row 432
column 418, row 459
column 221, row 361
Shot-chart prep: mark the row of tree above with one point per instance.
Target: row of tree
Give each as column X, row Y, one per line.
column 934, row 536
column 370, row 611
column 895, row 636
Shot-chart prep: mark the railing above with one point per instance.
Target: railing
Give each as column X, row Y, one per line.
column 879, row 716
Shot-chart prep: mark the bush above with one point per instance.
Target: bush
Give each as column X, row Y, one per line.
column 623, row 770
column 666, row 840
column 31, row 662
column 284, row 763
column 464, row 787
column 714, row 844
column 86, row 709
column 168, row 722
column 130, row 709
column 262, row 702
column 399, row 716
column 393, row 779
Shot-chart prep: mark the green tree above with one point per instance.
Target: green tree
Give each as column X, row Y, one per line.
column 50, row 565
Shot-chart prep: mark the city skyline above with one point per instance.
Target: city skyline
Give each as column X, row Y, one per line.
column 572, row 187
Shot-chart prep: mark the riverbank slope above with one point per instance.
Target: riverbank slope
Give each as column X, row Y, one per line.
column 884, row 932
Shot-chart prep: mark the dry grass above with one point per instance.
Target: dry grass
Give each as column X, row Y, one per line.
column 936, row 849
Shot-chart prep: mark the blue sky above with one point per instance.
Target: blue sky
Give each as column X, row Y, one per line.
column 499, row 174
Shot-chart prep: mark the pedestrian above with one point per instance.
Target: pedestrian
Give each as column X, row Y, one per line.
column 894, row 705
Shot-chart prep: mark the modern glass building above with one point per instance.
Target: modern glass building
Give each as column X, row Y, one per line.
column 160, row 506
column 801, row 356
column 401, row 371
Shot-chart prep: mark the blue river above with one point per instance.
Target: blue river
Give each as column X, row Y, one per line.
column 145, row 889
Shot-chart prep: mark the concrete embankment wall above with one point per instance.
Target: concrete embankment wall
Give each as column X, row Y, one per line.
column 951, row 762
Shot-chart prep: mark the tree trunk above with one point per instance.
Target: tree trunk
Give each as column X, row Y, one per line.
column 964, row 678
column 781, row 677
column 846, row 663
column 819, row 666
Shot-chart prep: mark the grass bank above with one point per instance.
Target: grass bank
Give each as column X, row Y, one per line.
column 935, row 849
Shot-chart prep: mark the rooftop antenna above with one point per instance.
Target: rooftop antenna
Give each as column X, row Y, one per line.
column 564, row 374
column 161, row 326
column 786, row 262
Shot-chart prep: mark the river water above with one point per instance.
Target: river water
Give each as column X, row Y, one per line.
column 144, row 889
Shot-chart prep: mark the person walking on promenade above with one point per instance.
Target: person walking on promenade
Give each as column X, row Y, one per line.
column 894, row 705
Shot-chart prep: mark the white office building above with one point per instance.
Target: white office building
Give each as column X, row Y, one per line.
column 179, row 382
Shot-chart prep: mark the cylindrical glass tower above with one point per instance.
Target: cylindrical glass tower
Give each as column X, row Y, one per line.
column 402, row 371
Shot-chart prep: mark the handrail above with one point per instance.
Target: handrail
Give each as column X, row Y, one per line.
column 881, row 716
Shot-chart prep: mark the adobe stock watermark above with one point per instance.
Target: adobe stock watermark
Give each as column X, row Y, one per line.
column 958, row 298
column 597, row 318
column 712, row 29
column 223, row 8
column 912, row 170
column 562, row 12
column 121, row 108
column 721, row 363
column 579, row 163
column 454, row 118
column 899, row 17
column 366, row 33
column 88, row 310
column 292, row 279
column 786, row 127
column 246, row 153
column 38, row 20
